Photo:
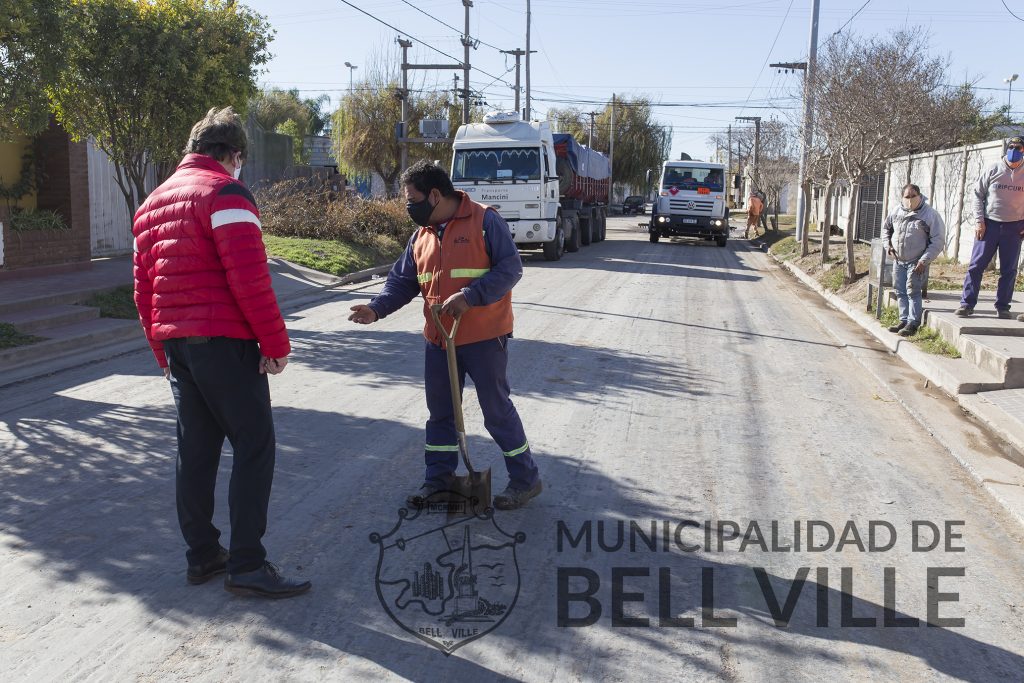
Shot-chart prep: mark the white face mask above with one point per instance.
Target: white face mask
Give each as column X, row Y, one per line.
column 238, row 171
column 238, row 165
column 911, row 204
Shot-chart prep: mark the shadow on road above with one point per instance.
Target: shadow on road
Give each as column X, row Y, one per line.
column 576, row 373
column 89, row 498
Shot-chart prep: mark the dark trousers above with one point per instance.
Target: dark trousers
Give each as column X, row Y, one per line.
column 486, row 363
column 220, row 393
column 1001, row 237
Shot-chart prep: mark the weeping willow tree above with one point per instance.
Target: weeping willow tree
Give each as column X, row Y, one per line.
column 641, row 143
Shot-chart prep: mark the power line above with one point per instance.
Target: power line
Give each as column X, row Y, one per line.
column 769, row 56
column 459, row 31
column 1011, row 11
column 428, row 45
column 848, row 21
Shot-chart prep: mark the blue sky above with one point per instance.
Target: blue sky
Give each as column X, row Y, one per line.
column 705, row 62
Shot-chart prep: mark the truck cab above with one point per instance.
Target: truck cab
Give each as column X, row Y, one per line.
column 509, row 164
column 691, row 202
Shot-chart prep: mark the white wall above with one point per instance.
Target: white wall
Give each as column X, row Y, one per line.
column 947, row 177
column 110, row 223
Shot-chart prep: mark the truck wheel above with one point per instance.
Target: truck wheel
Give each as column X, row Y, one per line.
column 554, row 249
column 721, row 241
column 572, row 243
column 654, row 237
column 587, row 228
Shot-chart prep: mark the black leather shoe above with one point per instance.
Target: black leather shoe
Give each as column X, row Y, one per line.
column 201, row 573
column 964, row 312
column 908, row 331
column 1004, row 315
column 265, row 582
column 511, row 499
column 419, row 499
column 898, row 327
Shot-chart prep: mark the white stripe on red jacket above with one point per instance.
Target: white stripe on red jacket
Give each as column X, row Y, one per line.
column 200, row 264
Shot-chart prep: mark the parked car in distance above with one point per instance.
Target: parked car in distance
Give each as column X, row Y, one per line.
column 633, row 204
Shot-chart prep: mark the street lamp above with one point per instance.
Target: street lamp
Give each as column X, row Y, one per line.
column 351, row 68
column 1010, row 81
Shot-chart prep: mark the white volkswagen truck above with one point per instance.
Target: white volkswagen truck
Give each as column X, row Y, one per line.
column 691, row 202
column 541, row 184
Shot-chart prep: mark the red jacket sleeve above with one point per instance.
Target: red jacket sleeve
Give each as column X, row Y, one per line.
column 236, row 233
column 144, row 302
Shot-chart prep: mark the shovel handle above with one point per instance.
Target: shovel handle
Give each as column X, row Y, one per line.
column 435, row 313
column 453, row 379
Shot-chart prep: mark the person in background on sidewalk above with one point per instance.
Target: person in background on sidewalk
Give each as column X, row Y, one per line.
column 755, row 206
column 203, row 290
column 999, row 212
column 915, row 236
column 472, row 276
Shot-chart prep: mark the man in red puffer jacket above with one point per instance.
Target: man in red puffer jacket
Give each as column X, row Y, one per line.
column 203, row 290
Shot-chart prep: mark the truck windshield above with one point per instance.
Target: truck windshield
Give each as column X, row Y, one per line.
column 692, row 179
column 506, row 163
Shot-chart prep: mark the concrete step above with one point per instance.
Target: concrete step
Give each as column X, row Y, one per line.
column 950, row 327
column 1002, row 356
column 61, row 298
column 36, row 320
column 74, row 359
column 960, row 376
column 72, row 339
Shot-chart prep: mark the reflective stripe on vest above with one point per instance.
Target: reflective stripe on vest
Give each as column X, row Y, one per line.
column 423, row 278
column 469, row 272
column 431, row 447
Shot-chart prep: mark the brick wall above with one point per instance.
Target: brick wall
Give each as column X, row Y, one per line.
column 64, row 188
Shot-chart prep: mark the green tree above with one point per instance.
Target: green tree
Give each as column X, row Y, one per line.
column 30, row 57
column 285, row 112
column 138, row 75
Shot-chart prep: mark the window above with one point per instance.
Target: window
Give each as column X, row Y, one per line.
column 512, row 163
column 692, row 179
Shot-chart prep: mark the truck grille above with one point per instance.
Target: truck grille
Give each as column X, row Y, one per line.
column 691, row 206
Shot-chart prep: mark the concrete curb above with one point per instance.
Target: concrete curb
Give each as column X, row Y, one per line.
column 927, row 366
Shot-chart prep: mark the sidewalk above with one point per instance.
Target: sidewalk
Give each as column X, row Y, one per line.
column 976, row 389
column 51, row 307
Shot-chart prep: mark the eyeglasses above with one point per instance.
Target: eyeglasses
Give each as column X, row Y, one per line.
column 1015, row 147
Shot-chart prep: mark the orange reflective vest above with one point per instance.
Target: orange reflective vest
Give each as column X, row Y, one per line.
column 445, row 265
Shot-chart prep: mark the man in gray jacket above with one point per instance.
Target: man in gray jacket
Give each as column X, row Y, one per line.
column 999, row 212
column 915, row 235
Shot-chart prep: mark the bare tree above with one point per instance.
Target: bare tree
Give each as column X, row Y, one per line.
column 882, row 97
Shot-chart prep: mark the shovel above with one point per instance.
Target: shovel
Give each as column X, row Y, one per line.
column 469, row 492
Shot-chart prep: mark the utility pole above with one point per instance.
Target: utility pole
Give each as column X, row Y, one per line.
column 467, row 43
column 807, row 138
column 403, row 162
column 611, row 153
column 757, row 138
column 403, row 94
column 517, row 54
column 527, row 117
column 728, row 148
column 590, row 140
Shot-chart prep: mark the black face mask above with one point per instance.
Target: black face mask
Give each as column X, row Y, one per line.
column 420, row 212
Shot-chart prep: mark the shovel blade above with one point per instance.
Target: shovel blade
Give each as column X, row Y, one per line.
column 470, row 493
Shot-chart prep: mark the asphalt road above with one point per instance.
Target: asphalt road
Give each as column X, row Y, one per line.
column 679, row 384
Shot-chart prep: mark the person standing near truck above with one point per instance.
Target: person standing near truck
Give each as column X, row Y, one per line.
column 464, row 258
column 999, row 212
column 755, row 206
